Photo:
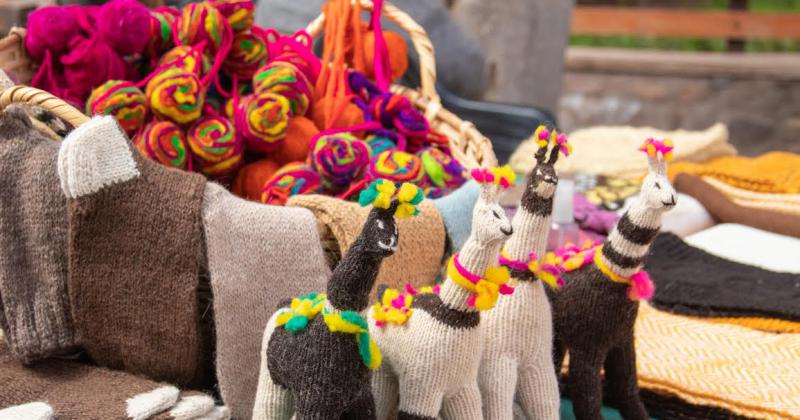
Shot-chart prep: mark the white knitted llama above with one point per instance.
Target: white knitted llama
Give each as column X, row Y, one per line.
column 431, row 358
column 518, row 353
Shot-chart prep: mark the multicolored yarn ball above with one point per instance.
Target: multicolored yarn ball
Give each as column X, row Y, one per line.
column 176, row 94
column 378, row 143
column 339, row 158
column 396, row 111
column 238, row 12
column 216, row 147
column 247, row 54
column 182, row 56
column 433, row 192
column 262, row 120
column 160, row 32
column 165, row 143
column 122, row 100
column 285, row 79
column 201, row 22
column 292, row 179
column 397, row 166
column 441, row 169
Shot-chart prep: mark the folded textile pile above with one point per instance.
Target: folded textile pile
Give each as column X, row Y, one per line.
column 725, row 210
column 780, row 203
column 66, row 389
column 612, row 150
column 774, row 172
column 690, row 281
column 747, row 372
column 751, row 246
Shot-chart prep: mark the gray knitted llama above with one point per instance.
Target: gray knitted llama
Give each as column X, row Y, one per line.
column 319, row 366
column 594, row 312
column 431, row 358
column 517, row 356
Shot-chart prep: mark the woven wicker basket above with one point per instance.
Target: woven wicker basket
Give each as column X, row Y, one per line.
column 468, row 145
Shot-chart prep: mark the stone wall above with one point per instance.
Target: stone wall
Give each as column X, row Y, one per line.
column 761, row 106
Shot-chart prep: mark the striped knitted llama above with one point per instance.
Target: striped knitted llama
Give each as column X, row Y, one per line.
column 594, row 312
column 319, row 366
column 431, row 358
column 517, row 356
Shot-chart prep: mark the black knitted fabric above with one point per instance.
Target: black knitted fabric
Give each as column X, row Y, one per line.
column 690, row 281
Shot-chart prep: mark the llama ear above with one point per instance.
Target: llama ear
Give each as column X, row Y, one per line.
column 540, row 155
column 553, row 155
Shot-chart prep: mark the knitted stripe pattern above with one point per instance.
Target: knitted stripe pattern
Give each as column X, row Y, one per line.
column 690, row 281
column 431, row 362
column 318, row 372
column 517, row 355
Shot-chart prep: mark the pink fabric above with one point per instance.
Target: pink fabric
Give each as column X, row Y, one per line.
column 90, row 63
column 124, row 25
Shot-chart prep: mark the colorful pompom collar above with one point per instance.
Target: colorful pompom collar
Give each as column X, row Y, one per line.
column 640, row 285
column 379, row 193
column 485, row 290
column 547, row 270
column 395, row 306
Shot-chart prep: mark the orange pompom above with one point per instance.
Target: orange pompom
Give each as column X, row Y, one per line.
column 298, row 138
column 351, row 115
column 398, row 53
column 252, row 177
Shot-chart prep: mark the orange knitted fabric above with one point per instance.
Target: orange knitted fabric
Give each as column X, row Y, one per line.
column 774, row 172
column 298, row 138
column 252, row 177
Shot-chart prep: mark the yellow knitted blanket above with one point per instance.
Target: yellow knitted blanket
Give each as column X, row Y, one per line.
column 774, row 172
column 745, row 371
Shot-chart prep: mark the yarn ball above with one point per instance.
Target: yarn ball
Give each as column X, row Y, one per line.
column 238, row 12
column 262, row 120
column 339, row 158
column 124, row 25
column 160, row 32
column 299, row 134
column 50, row 28
column 350, row 116
column 247, row 54
column 396, row 111
column 441, row 169
column 251, row 178
column 201, row 22
column 397, row 166
column 176, row 94
column 398, row 53
column 292, row 179
column 165, row 143
column 228, row 109
column 285, row 79
column 214, row 143
column 91, row 62
column 122, row 100
column 433, row 192
column 378, row 143
column 182, row 56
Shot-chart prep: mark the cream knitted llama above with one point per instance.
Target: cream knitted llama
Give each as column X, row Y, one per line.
column 518, row 353
column 432, row 358
column 595, row 311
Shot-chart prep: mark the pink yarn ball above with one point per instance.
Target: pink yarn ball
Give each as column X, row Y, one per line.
column 90, row 63
column 50, row 28
column 125, row 25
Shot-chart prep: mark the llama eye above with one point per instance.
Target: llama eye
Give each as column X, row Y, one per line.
column 497, row 216
column 658, row 185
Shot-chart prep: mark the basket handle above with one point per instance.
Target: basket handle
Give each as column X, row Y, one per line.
column 419, row 38
column 46, row 100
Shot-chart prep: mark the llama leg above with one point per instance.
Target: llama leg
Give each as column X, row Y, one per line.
column 384, row 390
column 273, row 401
column 585, row 387
column 538, row 389
column 419, row 400
column 314, row 406
column 363, row 409
column 620, row 370
column 465, row 404
column 498, row 381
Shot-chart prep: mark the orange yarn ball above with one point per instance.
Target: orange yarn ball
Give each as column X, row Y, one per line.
column 398, row 53
column 350, row 116
column 252, row 177
column 298, row 139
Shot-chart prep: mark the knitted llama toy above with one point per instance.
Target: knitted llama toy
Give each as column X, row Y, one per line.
column 431, row 342
column 518, row 354
column 594, row 312
column 319, row 366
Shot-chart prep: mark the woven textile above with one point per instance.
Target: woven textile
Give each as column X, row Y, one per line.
column 781, row 203
column 750, row 373
column 422, row 238
column 774, row 172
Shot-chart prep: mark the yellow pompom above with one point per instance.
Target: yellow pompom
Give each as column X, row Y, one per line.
column 405, row 211
column 335, row 323
column 407, row 192
column 487, row 294
column 536, row 136
column 504, row 176
column 283, row 318
column 497, row 275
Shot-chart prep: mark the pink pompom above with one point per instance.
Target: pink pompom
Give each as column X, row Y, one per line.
column 90, row 63
column 50, row 28
column 125, row 25
column 641, row 286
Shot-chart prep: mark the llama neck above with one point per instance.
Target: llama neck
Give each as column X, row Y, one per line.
column 626, row 248
column 475, row 258
column 352, row 279
column 530, row 230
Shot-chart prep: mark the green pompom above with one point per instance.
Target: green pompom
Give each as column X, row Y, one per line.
column 297, row 324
